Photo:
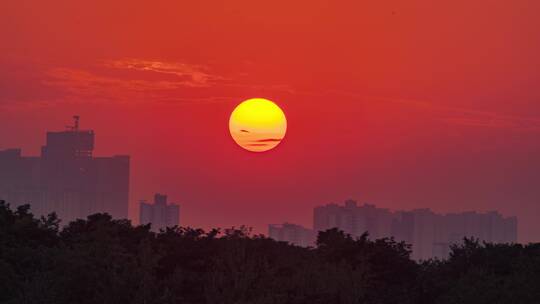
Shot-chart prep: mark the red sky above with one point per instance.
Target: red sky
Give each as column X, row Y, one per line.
column 404, row 104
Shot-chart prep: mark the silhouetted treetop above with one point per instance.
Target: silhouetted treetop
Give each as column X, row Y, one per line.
column 103, row 260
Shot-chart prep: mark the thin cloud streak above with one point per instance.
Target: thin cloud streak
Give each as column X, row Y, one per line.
column 458, row 115
column 256, row 145
column 475, row 118
column 268, row 140
column 98, row 85
column 176, row 83
column 81, row 80
column 133, row 81
column 197, row 74
column 81, row 85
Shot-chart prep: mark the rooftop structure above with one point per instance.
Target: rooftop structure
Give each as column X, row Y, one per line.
column 159, row 214
column 66, row 178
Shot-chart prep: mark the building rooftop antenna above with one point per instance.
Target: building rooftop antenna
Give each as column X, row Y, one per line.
column 76, row 122
column 75, row 126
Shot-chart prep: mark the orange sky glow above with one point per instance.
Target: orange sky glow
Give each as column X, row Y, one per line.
column 405, row 104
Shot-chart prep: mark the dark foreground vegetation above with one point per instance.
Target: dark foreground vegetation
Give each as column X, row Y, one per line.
column 100, row 260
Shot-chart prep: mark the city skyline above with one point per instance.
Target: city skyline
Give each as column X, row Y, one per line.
column 67, row 157
column 408, row 104
column 429, row 234
column 199, row 203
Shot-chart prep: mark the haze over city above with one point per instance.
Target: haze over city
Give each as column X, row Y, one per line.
column 410, row 110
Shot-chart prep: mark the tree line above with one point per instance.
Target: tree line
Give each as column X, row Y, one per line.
column 103, row 260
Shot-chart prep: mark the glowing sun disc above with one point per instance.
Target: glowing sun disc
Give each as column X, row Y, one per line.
column 257, row 125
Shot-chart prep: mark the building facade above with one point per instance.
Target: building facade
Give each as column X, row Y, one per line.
column 66, row 178
column 429, row 234
column 353, row 219
column 160, row 214
column 293, row 234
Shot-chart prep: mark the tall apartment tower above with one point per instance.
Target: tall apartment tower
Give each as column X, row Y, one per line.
column 353, row 219
column 159, row 214
column 66, row 178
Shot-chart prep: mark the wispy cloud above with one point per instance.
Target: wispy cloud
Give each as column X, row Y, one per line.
column 191, row 75
column 476, row 118
column 141, row 80
column 98, row 83
column 126, row 80
column 458, row 116
column 268, row 140
column 80, row 80
column 84, row 86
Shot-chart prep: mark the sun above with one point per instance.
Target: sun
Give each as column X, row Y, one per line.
column 258, row 125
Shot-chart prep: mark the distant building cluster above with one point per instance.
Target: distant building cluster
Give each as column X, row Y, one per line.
column 66, row 178
column 430, row 234
column 294, row 234
column 159, row 214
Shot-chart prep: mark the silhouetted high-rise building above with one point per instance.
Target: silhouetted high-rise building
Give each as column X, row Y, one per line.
column 353, row 219
column 430, row 234
column 67, row 178
column 291, row 233
column 160, row 214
